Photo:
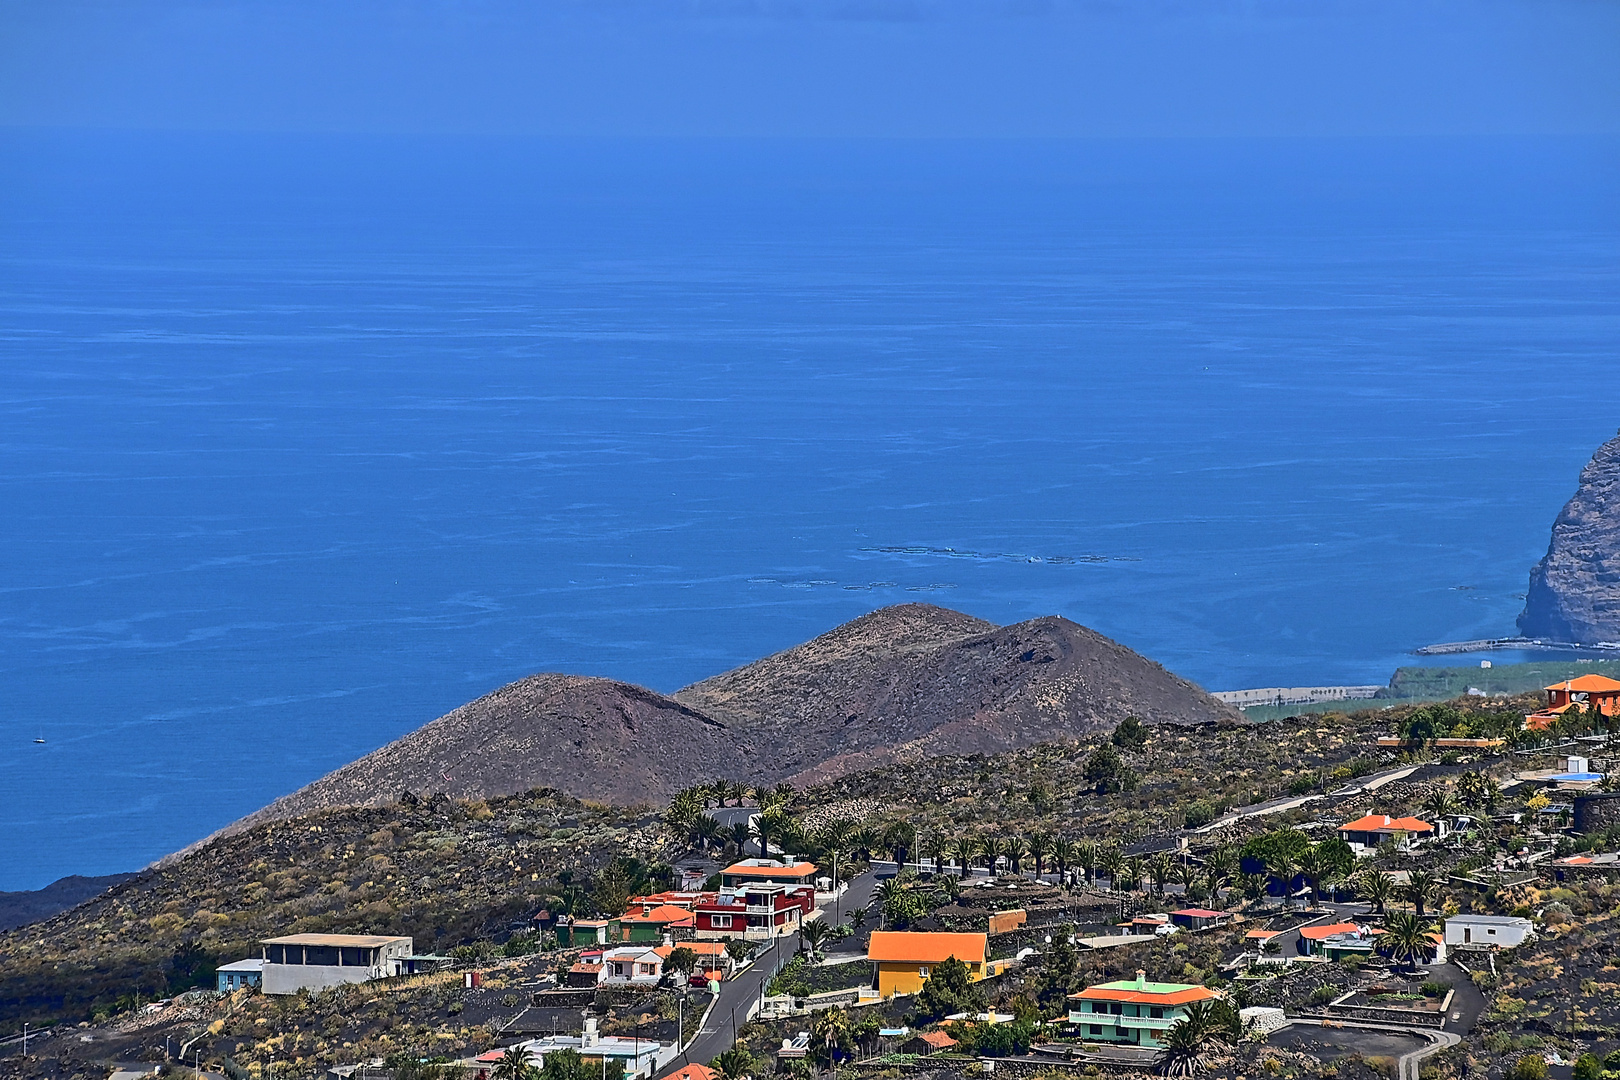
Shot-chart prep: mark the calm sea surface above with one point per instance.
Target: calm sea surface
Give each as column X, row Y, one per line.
column 304, row 442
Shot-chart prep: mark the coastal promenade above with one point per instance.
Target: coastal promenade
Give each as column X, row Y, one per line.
column 1295, row 695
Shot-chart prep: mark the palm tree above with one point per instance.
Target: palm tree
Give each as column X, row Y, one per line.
column 832, row 1028
column 1013, row 848
column 1219, row 865
column 1133, row 869
column 734, row 1064
column 815, row 935
column 937, row 849
column 1440, row 804
column 1159, row 869
column 704, row 830
column 967, row 849
column 1283, row 868
column 514, row 1065
column 898, row 839
column 866, row 840
column 1319, row 867
column 1110, row 862
column 1377, row 887
column 760, row 831
column 1422, row 889
column 738, row 835
column 1408, row 937
column 1471, row 788
column 1187, row 1043
column 1039, row 847
column 1086, row 856
column 1064, row 853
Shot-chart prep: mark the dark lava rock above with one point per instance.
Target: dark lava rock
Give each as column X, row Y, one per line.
column 1575, row 591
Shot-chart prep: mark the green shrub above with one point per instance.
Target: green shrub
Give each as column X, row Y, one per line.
column 1529, row 1067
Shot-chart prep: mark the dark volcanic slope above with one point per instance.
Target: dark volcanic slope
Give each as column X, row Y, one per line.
column 591, row 738
column 916, row 680
column 900, row 683
column 22, row 908
column 1575, row 591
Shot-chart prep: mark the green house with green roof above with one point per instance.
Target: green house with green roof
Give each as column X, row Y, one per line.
column 1133, row 1012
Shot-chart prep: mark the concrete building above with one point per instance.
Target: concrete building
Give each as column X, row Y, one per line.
column 1132, row 1011
column 1488, row 931
column 642, row 1058
column 318, row 961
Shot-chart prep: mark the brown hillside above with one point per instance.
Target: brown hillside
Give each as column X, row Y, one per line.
column 915, row 681
column 591, row 738
column 897, row 684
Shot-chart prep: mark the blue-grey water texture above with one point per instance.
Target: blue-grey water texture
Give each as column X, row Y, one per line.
column 304, row 442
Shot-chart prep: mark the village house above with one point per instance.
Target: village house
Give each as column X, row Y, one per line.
column 649, row 921
column 641, row 1058
column 754, row 912
column 903, row 959
column 713, row 962
column 319, row 961
column 1132, row 1011
column 1488, row 931
column 1199, row 918
column 573, row 933
column 1366, row 833
column 1585, row 692
column 1337, row 940
column 243, row 973
column 631, row 965
column 928, row 1042
column 768, row 872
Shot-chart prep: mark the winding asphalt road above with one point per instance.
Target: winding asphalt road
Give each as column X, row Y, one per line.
column 740, row 996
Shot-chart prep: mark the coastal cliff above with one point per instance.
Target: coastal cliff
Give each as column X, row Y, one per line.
column 1575, row 590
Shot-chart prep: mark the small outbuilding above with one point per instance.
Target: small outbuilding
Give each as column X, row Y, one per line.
column 1488, row 931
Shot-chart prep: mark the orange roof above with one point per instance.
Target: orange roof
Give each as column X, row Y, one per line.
column 910, row 947
column 666, row 913
column 939, row 1040
column 1262, row 935
column 1106, row 992
column 1588, row 683
column 1380, row 822
column 699, row 948
column 1317, row 933
column 793, row 870
column 693, row 1072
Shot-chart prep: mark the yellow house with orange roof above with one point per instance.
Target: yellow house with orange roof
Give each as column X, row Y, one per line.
column 1586, row 691
column 905, row 958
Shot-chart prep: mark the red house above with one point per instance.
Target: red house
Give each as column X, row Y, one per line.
column 754, row 912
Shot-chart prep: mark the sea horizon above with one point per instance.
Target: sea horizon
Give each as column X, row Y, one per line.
column 310, row 439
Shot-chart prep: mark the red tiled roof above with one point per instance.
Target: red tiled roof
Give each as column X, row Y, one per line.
column 1588, row 683
column 1199, row 913
column 693, row 1072
column 939, row 1040
column 795, row 870
column 1381, row 822
column 1145, row 997
column 908, row 947
column 666, row 913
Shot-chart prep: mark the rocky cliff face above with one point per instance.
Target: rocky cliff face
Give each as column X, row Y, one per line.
column 1575, row 591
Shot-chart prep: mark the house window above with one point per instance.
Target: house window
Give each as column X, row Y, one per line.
column 923, row 971
column 1096, row 1029
column 1115, row 1008
column 646, row 969
column 720, row 921
column 1156, row 1012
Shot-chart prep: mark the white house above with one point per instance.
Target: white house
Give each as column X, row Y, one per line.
column 1488, row 931
column 318, row 961
column 631, row 965
column 642, row 1058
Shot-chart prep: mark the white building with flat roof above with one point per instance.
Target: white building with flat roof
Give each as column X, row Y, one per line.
column 319, row 961
column 1488, row 931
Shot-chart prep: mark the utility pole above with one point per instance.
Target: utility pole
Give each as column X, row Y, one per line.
column 25, row 1042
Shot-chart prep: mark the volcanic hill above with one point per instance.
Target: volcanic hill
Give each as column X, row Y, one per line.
column 897, row 684
column 1574, row 593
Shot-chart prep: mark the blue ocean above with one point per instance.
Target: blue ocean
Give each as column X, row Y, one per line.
column 305, row 441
